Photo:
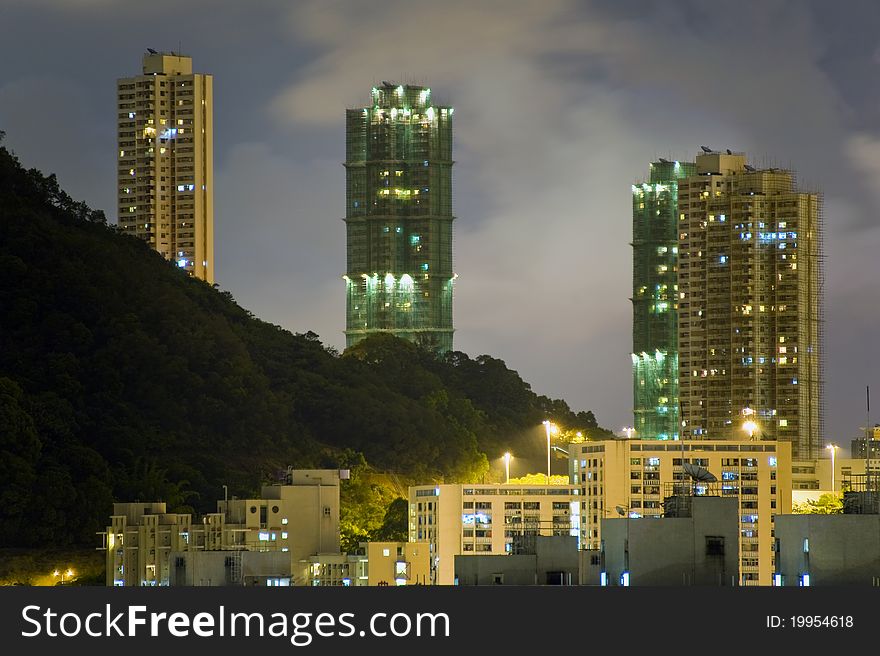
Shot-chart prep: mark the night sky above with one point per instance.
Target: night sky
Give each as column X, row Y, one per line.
column 560, row 106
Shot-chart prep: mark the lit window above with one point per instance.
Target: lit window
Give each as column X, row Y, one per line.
column 386, row 552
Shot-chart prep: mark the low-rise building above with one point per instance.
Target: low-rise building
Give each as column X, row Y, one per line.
column 468, row 519
column 398, row 563
column 695, row 543
column 298, row 519
column 626, row 478
column 235, row 567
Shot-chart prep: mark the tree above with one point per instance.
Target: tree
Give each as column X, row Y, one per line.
column 540, row 479
column 827, row 504
column 395, row 525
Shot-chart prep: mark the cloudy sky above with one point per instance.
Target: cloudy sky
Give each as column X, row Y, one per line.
column 560, row 105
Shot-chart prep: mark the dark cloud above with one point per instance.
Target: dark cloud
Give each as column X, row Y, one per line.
column 559, row 108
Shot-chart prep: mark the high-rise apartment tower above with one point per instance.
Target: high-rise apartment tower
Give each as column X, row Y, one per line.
column 750, row 305
column 398, row 217
column 655, row 301
column 165, row 161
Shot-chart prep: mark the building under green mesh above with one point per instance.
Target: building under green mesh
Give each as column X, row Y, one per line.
column 398, row 218
column 655, row 301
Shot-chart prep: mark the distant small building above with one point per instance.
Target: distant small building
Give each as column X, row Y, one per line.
column 295, row 520
column 398, row 563
column 377, row 564
column 337, row 569
column 695, row 543
column 543, row 560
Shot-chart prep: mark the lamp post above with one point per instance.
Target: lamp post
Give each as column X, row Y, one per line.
column 550, row 428
column 749, row 425
column 833, row 448
column 507, row 458
column 68, row 574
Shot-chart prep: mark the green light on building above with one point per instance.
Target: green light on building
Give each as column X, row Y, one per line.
column 399, row 218
column 655, row 302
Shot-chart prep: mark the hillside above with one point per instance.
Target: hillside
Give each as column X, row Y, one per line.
column 122, row 378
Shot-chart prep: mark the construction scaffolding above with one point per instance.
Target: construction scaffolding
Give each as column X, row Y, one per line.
column 655, row 301
column 399, row 276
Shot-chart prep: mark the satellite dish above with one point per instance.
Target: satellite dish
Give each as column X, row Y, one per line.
column 152, row 52
column 748, row 168
column 706, row 149
column 729, row 152
column 620, row 511
column 664, row 161
column 698, row 473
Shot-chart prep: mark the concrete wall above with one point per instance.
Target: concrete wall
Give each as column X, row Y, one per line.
column 211, row 568
column 555, row 562
column 840, row 549
column 672, row 551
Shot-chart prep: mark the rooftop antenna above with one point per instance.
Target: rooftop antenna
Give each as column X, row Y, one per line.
column 698, row 474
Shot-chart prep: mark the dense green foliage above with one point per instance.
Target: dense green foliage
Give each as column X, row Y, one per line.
column 122, row 378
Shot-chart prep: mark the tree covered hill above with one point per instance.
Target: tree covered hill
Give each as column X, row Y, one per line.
column 122, row 378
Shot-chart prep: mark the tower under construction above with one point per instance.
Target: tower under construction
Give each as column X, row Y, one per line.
column 398, row 217
column 750, row 304
column 655, row 301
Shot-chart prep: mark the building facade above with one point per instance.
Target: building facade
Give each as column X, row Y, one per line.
column 655, row 301
column 465, row 519
column 165, row 181
column 144, row 542
column 828, row 550
column 398, row 216
column 398, row 563
column 627, row 478
column 550, row 560
column 750, row 305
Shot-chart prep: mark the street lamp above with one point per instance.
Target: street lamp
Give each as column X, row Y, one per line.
column 749, row 425
column 68, row 574
column 550, row 428
column 507, row 458
column 833, row 448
